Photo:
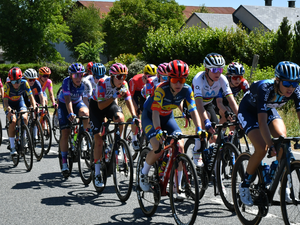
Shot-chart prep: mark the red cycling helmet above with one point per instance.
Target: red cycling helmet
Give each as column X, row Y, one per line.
column 89, row 67
column 178, row 69
column 15, row 74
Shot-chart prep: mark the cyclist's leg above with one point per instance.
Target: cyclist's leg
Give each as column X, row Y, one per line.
column 81, row 109
column 114, row 112
column 12, row 125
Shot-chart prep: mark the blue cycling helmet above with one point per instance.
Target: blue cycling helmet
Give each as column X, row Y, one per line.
column 287, row 70
column 98, row 70
column 76, row 68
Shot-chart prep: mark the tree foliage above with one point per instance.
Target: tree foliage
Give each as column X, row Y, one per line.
column 296, row 48
column 128, row 22
column 202, row 9
column 283, row 47
column 85, row 26
column 89, row 51
column 29, row 29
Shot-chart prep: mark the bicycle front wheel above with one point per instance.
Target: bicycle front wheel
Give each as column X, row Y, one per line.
column 184, row 195
column 55, row 126
column 291, row 211
column 122, row 171
column 46, row 125
column 247, row 215
column 189, row 147
column 27, row 148
column 84, row 163
column 148, row 200
column 37, row 139
column 225, row 165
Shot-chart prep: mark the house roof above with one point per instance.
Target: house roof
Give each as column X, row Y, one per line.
column 214, row 20
column 269, row 16
column 104, row 8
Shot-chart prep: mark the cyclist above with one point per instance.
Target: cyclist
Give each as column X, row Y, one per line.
column 89, row 69
column 136, row 85
column 161, row 77
column 207, row 85
column 235, row 73
column 108, row 90
column 13, row 99
column 158, row 114
column 32, row 78
column 44, row 74
column 70, row 104
column 1, row 89
column 260, row 119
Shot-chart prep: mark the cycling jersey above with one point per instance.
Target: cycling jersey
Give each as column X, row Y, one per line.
column 163, row 100
column 47, row 84
column 16, row 94
column 148, row 88
column 68, row 89
column 203, row 90
column 105, row 90
column 136, row 83
column 244, row 86
column 90, row 86
column 36, row 88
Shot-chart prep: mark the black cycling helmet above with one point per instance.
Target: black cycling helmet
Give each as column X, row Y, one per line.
column 235, row 69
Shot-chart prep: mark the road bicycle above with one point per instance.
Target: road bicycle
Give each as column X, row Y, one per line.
column 44, row 119
column 23, row 142
column 55, row 126
column 36, row 132
column 287, row 172
column 79, row 150
column 184, row 210
column 119, row 161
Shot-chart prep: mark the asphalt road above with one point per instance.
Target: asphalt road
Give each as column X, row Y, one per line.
column 42, row 196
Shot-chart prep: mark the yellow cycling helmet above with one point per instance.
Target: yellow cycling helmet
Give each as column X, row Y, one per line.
column 150, row 69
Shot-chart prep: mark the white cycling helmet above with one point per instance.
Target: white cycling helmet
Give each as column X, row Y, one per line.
column 30, row 74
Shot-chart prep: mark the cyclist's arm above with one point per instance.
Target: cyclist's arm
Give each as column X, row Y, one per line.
column 32, row 101
column 232, row 104
column 68, row 103
column 51, row 95
column 220, row 105
column 196, row 118
column 42, row 100
column 130, row 107
column 155, row 119
column 2, row 92
column 264, row 128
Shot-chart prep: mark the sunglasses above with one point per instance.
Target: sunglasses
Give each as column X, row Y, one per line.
column 176, row 80
column 31, row 80
column 289, row 83
column 164, row 77
column 16, row 81
column 216, row 70
column 120, row 76
column 45, row 76
column 236, row 77
column 77, row 75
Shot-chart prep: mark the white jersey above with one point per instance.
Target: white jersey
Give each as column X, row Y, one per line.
column 203, row 90
column 90, row 86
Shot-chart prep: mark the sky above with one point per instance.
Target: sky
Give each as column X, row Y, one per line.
column 230, row 3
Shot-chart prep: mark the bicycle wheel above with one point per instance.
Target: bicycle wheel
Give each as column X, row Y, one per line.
column 148, row 201
column 55, row 126
column 84, row 159
column 27, row 147
column 103, row 171
column 184, row 209
column 225, row 165
column 45, row 122
column 291, row 211
column 36, row 132
column 122, row 171
column 246, row 214
column 16, row 158
column 189, row 147
column 69, row 157
column 1, row 134
column 127, row 136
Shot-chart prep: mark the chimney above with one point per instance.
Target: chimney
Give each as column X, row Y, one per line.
column 268, row 2
column 291, row 4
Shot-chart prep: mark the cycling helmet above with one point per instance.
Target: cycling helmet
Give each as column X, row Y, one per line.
column 89, row 66
column 178, row 69
column 76, row 68
column 287, row 70
column 98, row 69
column 15, row 73
column 118, row 68
column 214, row 60
column 44, row 71
column 30, row 74
column 235, row 69
column 162, row 69
column 150, row 69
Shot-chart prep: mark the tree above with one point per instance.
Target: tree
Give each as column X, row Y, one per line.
column 85, row 26
column 283, row 47
column 128, row 22
column 29, row 29
column 89, row 52
column 296, row 49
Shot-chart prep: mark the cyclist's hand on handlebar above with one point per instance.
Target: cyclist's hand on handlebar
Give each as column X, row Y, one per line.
column 271, row 151
column 71, row 117
column 136, row 121
column 229, row 116
column 208, row 126
column 159, row 135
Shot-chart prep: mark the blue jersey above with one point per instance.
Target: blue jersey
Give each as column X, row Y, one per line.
column 36, row 88
column 262, row 97
column 68, row 89
column 162, row 99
